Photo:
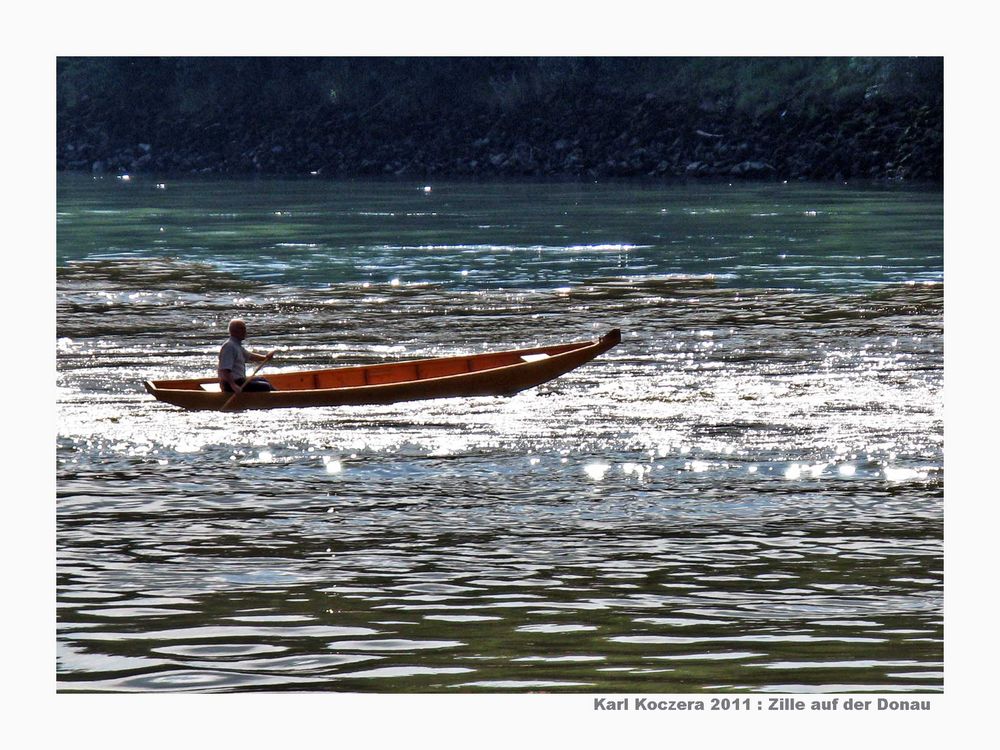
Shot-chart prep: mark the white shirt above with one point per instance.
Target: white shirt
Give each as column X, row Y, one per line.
column 232, row 356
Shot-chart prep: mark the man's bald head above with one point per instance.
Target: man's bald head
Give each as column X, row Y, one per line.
column 238, row 328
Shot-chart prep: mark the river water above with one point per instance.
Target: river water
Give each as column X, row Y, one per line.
column 745, row 495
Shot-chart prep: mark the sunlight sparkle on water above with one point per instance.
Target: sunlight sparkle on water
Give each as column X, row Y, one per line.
column 596, row 471
column 903, row 475
column 638, row 470
column 816, row 470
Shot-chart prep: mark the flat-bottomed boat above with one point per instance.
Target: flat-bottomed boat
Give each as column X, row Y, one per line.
column 491, row 374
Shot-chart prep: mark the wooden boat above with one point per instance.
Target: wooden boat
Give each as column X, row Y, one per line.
column 492, row 374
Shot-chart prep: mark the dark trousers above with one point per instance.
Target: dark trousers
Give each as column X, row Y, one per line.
column 257, row 384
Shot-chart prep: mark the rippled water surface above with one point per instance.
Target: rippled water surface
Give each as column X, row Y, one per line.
column 746, row 494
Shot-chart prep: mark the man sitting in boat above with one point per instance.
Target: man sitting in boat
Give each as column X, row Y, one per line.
column 233, row 362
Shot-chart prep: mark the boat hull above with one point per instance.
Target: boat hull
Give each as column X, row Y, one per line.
column 495, row 374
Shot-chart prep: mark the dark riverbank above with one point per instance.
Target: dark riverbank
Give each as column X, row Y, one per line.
column 759, row 119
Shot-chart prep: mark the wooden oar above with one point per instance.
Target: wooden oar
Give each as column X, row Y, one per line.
column 245, row 382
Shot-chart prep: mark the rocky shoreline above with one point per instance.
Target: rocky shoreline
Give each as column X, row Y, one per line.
column 562, row 137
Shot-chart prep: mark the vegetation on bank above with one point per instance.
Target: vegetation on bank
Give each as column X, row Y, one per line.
column 761, row 118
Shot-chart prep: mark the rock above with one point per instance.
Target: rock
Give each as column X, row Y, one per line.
column 752, row 169
column 522, row 156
